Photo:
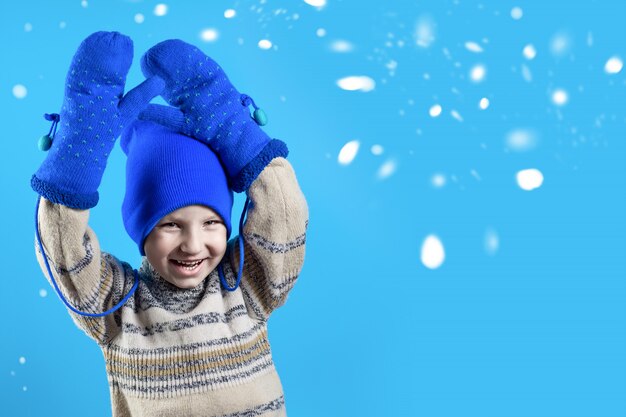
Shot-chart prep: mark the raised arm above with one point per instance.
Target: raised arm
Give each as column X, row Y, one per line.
column 94, row 113
column 275, row 235
column 90, row 280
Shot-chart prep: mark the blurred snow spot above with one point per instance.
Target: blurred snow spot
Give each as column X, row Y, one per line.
column 526, row 74
column 529, row 51
column 435, row 110
column 492, row 242
column 438, row 180
column 43, row 293
column 521, row 140
column 229, row 13
column 139, row 18
column 283, row 98
column 613, row 65
column 377, row 150
column 517, row 13
column 484, row 103
column 12, row 373
column 456, row 115
column 62, row 25
column 529, row 179
column 477, row 73
column 341, row 46
column 560, row 44
column 560, row 97
column 426, row 76
column 19, row 91
column 28, row 27
column 209, row 35
column 265, row 44
column 475, row 174
column 84, row 3
column 354, row 83
column 24, row 388
column 433, row 253
column 240, row 41
column 392, row 65
column 387, row 169
column 295, row 16
column 160, row 9
column 424, row 31
column 321, row 32
column 589, row 39
column 316, row 3
column 22, row 360
column 473, row 47
column 348, row 152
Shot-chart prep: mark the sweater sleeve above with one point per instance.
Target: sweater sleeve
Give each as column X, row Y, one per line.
column 275, row 235
column 90, row 280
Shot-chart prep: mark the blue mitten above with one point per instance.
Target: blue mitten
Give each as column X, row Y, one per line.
column 209, row 108
column 94, row 113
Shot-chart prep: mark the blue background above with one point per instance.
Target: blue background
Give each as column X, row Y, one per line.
column 536, row 327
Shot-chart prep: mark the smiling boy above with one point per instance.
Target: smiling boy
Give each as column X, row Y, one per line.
column 192, row 339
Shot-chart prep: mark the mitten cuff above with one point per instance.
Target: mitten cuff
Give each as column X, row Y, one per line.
column 274, row 149
column 53, row 193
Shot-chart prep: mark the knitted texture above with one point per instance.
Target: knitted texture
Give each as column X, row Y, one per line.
column 199, row 351
column 209, row 108
column 93, row 114
column 166, row 171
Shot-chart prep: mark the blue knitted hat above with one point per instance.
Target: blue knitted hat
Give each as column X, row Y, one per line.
column 166, row 171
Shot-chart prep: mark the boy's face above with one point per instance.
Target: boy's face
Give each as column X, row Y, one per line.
column 186, row 245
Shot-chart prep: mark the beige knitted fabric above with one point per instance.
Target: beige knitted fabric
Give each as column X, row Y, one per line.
column 187, row 352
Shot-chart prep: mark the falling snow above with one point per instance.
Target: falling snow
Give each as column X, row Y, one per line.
column 348, row 152
column 517, row 13
column 376, row 150
column 435, row 110
column 438, row 180
column 491, row 242
column 387, row 169
column 356, row 83
column 160, row 9
column 264, row 44
column 19, row 91
column 473, row 47
column 432, row 253
column 560, row 97
column 521, row 140
column 529, row 52
column 614, row 65
column 477, row 73
column 529, row 179
column 424, row 31
column 341, row 46
column 209, row 35
column 316, row 3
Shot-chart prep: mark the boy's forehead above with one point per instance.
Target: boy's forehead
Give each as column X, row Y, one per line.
column 193, row 211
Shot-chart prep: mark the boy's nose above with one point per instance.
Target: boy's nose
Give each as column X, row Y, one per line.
column 191, row 243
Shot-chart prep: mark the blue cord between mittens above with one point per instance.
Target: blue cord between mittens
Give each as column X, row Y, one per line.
column 82, row 313
column 220, row 270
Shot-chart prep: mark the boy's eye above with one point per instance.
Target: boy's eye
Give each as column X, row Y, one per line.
column 211, row 222
column 169, row 224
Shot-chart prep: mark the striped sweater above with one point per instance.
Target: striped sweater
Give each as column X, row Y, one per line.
column 202, row 351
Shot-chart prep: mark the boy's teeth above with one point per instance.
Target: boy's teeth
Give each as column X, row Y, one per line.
column 188, row 263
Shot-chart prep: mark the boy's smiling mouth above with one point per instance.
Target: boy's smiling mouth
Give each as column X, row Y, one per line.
column 189, row 266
